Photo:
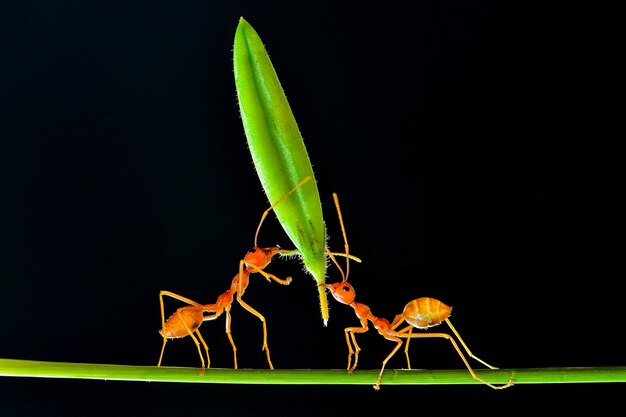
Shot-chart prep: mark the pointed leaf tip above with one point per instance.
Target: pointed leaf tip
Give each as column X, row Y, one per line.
column 278, row 152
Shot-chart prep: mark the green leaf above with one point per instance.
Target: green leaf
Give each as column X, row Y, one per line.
column 278, row 152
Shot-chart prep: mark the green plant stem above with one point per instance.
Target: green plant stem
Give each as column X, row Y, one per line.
column 26, row 368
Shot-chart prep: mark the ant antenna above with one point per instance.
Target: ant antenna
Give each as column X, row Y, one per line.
column 345, row 239
column 332, row 257
column 265, row 213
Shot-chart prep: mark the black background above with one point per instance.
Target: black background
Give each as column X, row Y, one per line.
column 474, row 147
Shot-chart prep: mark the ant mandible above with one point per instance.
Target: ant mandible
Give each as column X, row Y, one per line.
column 420, row 313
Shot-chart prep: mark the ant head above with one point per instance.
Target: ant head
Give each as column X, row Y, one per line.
column 342, row 292
column 260, row 257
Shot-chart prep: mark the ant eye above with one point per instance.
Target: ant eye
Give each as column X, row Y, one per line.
column 346, row 288
column 252, row 250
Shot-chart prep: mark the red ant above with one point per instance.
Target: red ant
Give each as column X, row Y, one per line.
column 421, row 313
column 186, row 320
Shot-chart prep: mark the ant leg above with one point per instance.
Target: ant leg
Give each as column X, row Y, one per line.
column 393, row 352
column 357, row 349
column 260, row 316
column 458, row 350
column 206, row 349
column 466, row 348
column 407, row 330
column 214, row 309
column 350, row 350
column 230, row 337
column 271, row 277
column 162, row 351
column 177, row 297
column 406, row 350
column 195, row 341
column 397, row 321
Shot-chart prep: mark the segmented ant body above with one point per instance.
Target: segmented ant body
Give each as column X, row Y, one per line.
column 186, row 320
column 421, row 313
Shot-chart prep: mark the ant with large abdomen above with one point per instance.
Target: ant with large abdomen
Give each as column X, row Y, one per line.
column 186, row 320
column 420, row 313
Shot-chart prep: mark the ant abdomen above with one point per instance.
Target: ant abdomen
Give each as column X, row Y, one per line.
column 425, row 312
column 177, row 324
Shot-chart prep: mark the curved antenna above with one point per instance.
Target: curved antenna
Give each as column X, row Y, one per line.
column 332, row 257
column 265, row 213
column 345, row 238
